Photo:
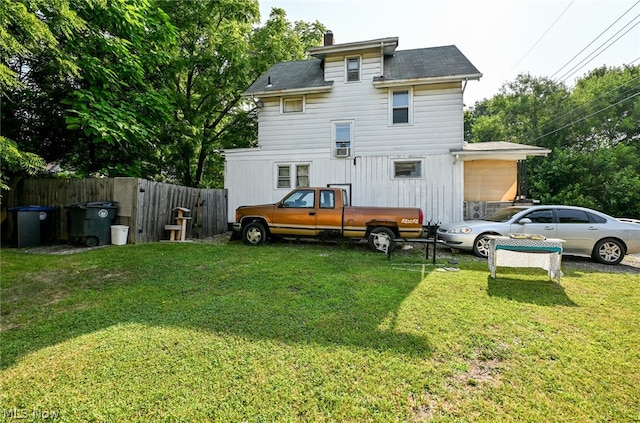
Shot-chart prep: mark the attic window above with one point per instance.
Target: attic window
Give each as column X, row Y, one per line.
column 353, row 69
column 293, row 105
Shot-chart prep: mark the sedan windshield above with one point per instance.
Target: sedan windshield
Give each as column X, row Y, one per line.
column 504, row 214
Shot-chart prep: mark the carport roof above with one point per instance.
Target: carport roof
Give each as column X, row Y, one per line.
column 497, row 150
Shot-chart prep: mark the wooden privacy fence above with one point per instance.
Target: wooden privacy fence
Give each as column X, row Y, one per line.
column 145, row 206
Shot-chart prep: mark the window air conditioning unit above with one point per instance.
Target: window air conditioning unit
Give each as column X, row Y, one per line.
column 343, row 152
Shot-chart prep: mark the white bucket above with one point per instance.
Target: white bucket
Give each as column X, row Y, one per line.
column 119, row 234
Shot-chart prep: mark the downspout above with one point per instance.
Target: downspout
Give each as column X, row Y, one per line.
column 464, row 87
column 382, row 59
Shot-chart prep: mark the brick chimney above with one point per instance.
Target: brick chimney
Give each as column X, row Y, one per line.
column 328, row 38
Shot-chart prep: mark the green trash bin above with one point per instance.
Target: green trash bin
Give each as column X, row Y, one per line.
column 89, row 223
column 32, row 225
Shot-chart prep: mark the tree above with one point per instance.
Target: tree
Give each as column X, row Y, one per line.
column 592, row 130
column 25, row 34
column 219, row 54
column 82, row 95
column 147, row 88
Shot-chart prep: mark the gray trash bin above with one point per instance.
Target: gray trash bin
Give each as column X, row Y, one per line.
column 89, row 223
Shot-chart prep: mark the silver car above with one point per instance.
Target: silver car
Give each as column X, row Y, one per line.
column 586, row 232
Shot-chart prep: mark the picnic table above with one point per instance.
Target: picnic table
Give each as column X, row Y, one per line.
column 526, row 252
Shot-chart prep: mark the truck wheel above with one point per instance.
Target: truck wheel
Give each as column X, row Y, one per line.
column 381, row 239
column 254, row 233
column 91, row 241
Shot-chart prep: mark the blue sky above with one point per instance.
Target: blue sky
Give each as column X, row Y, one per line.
column 502, row 38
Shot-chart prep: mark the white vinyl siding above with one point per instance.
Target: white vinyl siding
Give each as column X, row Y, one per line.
column 438, row 192
column 437, row 123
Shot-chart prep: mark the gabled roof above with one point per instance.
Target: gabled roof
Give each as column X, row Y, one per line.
column 300, row 75
column 433, row 62
column 409, row 67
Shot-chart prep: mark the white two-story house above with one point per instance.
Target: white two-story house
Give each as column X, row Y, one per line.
column 385, row 124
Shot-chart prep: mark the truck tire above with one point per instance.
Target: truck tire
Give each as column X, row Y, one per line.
column 254, row 233
column 381, row 239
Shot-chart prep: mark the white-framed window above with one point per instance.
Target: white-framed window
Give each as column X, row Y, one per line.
column 400, row 106
column 292, row 105
column 284, row 176
column 352, row 66
column 292, row 175
column 302, row 175
column 407, row 169
column 342, row 134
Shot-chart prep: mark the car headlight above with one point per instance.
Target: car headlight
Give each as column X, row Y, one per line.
column 460, row 230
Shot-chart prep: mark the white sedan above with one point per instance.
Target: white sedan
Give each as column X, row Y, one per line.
column 586, row 232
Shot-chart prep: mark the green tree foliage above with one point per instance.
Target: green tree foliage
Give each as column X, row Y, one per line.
column 148, row 88
column 14, row 160
column 593, row 131
column 219, row 53
column 27, row 30
column 82, row 96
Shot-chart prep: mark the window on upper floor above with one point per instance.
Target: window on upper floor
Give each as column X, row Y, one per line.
column 292, row 175
column 293, row 105
column 400, row 106
column 407, row 169
column 353, row 69
column 342, row 134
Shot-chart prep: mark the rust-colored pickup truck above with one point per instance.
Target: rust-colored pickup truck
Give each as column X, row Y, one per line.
column 325, row 213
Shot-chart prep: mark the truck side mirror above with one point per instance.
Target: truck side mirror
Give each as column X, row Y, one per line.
column 524, row 221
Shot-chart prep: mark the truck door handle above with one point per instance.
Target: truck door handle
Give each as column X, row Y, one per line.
column 312, row 213
column 549, row 228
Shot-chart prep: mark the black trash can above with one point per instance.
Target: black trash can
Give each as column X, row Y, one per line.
column 89, row 223
column 32, row 225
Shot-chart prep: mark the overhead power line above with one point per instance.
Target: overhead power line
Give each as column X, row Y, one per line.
column 594, row 40
column 571, row 113
column 586, row 117
column 577, row 67
column 537, row 42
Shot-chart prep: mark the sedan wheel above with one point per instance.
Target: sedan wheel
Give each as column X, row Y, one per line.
column 481, row 246
column 609, row 251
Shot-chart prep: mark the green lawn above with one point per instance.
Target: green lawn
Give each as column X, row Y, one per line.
column 311, row 332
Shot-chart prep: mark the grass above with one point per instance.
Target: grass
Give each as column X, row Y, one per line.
column 287, row 332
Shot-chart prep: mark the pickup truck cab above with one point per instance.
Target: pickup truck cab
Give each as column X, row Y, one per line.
column 325, row 213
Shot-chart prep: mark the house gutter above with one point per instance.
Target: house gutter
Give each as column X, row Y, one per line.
column 379, row 83
column 277, row 93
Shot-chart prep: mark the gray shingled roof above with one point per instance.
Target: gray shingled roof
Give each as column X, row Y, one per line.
column 300, row 74
column 427, row 63
column 404, row 64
